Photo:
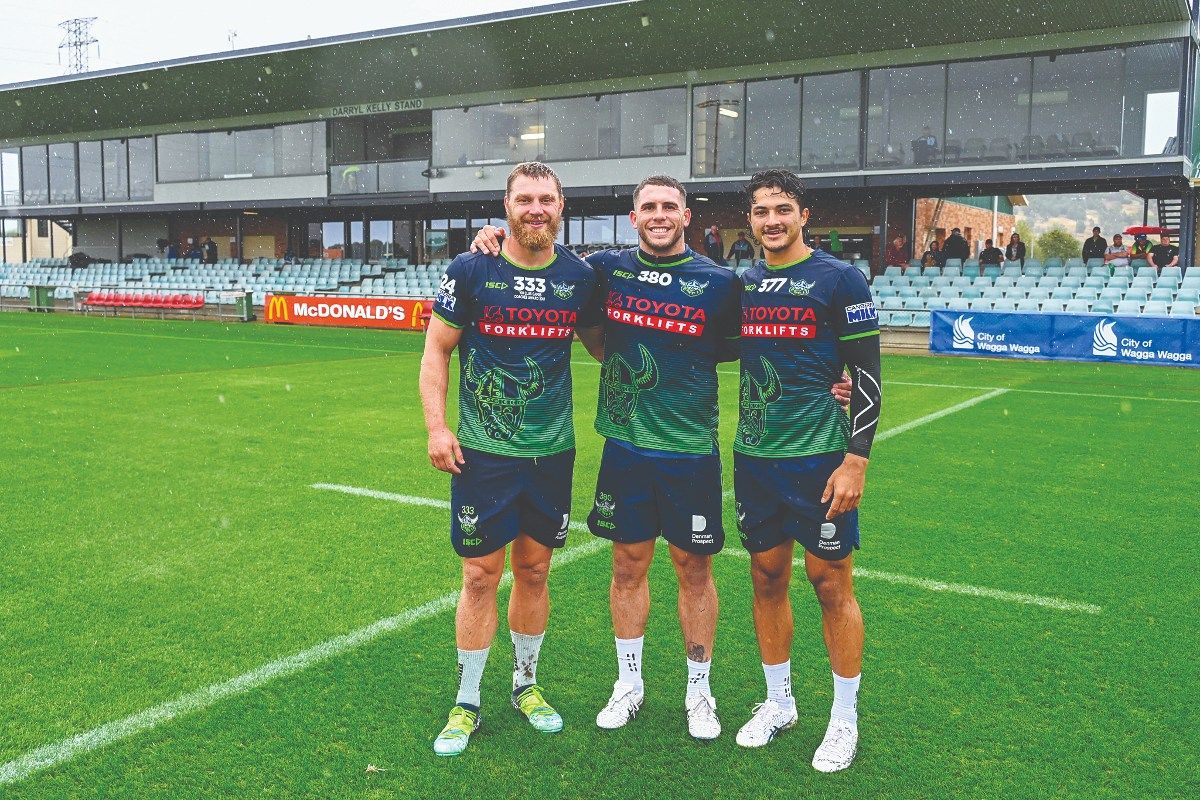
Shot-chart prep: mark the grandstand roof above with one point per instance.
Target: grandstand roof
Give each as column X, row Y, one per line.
column 565, row 42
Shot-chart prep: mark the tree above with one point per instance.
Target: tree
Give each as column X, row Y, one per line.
column 1026, row 232
column 1057, row 243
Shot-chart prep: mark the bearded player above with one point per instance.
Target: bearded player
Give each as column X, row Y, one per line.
column 512, row 317
column 799, row 462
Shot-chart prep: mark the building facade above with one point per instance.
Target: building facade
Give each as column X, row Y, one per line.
column 397, row 143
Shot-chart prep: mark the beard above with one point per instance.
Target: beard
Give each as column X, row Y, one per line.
column 644, row 240
column 532, row 239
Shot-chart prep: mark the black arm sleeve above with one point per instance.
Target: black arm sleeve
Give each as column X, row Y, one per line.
column 862, row 357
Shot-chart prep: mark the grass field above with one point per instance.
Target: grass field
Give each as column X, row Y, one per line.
column 173, row 588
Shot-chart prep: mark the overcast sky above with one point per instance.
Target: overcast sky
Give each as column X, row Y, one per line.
column 138, row 31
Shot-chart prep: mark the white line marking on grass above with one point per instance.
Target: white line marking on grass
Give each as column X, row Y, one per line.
column 957, row 588
column 60, row 752
column 936, row 415
column 859, row 572
column 908, row 426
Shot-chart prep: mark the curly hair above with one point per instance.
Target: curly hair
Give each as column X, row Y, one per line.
column 784, row 180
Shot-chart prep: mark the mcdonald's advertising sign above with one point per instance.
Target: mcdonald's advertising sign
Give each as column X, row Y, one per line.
column 356, row 312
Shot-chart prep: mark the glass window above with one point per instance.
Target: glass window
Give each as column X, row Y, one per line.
column 218, row 155
column 987, row 110
column 1152, row 77
column 583, row 128
column 357, row 244
column 402, row 238
column 397, row 137
column 718, row 129
column 91, row 173
column 300, row 149
column 333, row 239
column 830, row 110
column 347, row 145
column 62, row 173
column 626, row 233
column 1074, row 107
column 10, row 177
column 141, row 168
column 500, row 134
column 653, row 123
column 906, row 114
column 379, row 243
column 512, row 132
column 456, row 133
column 179, row 157
column 116, row 170
column 255, row 152
column 34, row 178
column 403, row 176
column 354, row 179
column 772, row 124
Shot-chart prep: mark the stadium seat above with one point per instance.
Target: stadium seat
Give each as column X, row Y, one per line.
column 991, row 271
column 901, row 319
column 951, row 272
column 1129, row 307
column 971, row 269
column 892, row 271
column 932, row 272
column 954, row 262
column 1005, row 304
column 1054, row 305
column 959, row 304
column 1182, row 308
column 1102, row 307
column 1028, row 305
column 1078, row 307
column 1063, row 293
column 1113, row 294
column 981, row 304
column 1093, row 262
column 1185, row 294
column 1154, row 308
column 1162, row 295
column 937, row 302
column 1053, row 263
column 972, row 294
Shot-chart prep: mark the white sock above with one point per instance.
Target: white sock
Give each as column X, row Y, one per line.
column 629, row 661
column 779, row 683
column 845, row 698
column 525, row 658
column 698, row 678
column 470, row 675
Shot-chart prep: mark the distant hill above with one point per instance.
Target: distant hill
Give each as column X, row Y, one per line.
column 1077, row 213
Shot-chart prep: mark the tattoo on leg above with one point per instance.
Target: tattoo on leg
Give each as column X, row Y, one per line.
column 696, row 652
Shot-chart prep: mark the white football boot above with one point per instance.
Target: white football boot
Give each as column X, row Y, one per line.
column 623, row 706
column 836, row 752
column 702, row 717
column 769, row 720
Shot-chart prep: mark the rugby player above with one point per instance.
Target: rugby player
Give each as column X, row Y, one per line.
column 512, row 317
column 671, row 316
column 799, row 462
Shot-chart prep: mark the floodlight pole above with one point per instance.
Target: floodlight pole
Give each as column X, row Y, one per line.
column 77, row 35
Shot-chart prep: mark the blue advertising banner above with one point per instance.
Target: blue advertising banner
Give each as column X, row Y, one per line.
column 1169, row 341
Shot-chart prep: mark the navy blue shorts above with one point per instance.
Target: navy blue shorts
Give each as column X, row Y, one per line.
column 497, row 497
column 780, row 499
column 640, row 497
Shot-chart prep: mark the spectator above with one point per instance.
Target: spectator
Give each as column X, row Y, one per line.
column 1141, row 247
column 210, row 251
column 193, row 252
column 990, row 254
column 896, row 254
column 741, row 249
column 933, row 256
column 1015, row 250
column 835, row 244
column 290, row 256
column 956, row 246
column 816, row 243
column 1118, row 254
column 1164, row 254
column 1094, row 246
column 713, row 246
column 172, row 251
column 925, row 147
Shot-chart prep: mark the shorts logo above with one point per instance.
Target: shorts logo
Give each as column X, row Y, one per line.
column 861, row 312
column 605, row 505
column 472, row 542
column 741, row 513
column 563, row 291
column 755, row 397
column 828, row 530
column 501, row 397
column 699, row 523
column 620, row 385
column 693, row 288
column 562, row 532
column 467, row 520
column 800, row 288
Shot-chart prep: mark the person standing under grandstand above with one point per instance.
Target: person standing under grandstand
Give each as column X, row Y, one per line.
column 1015, row 251
column 512, row 317
column 742, row 249
column 799, row 462
column 713, row 246
column 671, row 316
column 956, row 246
column 1094, row 246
